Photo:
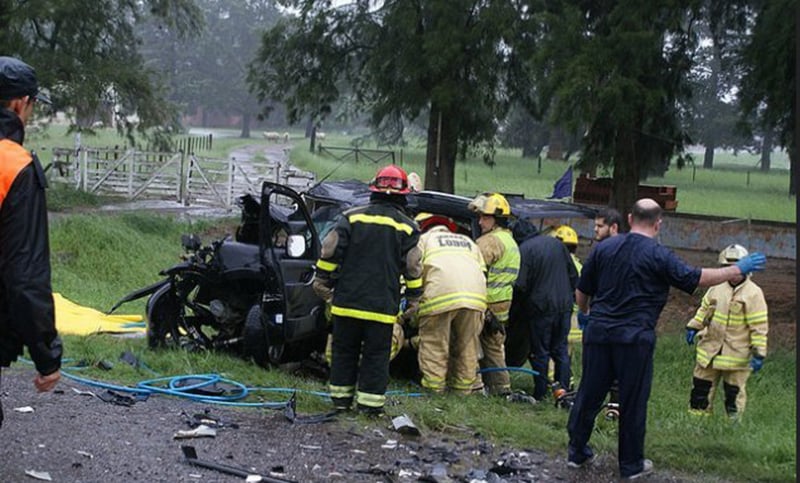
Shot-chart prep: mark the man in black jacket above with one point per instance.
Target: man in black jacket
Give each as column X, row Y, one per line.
column 27, row 316
column 543, row 297
column 358, row 272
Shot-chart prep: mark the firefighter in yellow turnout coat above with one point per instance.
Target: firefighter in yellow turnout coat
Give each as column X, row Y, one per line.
column 501, row 254
column 452, row 306
column 731, row 329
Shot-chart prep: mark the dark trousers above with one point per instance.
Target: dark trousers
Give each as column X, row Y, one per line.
column 361, row 351
column 632, row 366
column 548, row 336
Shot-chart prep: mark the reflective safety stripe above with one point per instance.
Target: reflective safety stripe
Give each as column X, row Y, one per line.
column 381, row 220
column 434, row 383
column 414, row 283
column 364, row 314
column 472, row 300
column 370, row 400
column 463, row 384
column 327, row 266
column 575, row 336
column 757, row 317
column 758, row 340
column 342, row 392
column 502, row 275
column 502, row 316
column 720, row 361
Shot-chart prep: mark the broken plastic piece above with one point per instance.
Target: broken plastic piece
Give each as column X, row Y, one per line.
column 24, row 409
column 403, row 424
column 201, row 431
column 191, row 456
column 39, row 475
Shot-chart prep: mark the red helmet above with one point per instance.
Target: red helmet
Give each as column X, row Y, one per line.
column 391, row 180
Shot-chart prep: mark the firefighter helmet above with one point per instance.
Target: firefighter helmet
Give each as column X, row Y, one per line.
column 429, row 220
column 566, row 234
column 732, row 254
column 492, row 204
column 391, row 180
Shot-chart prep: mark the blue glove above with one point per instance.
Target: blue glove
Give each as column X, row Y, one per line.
column 583, row 320
column 755, row 262
column 690, row 333
column 756, row 363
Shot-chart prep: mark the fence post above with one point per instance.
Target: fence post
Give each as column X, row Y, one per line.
column 84, row 169
column 228, row 198
column 356, row 154
column 131, row 159
column 210, row 140
column 748, row 178
column 694, row 170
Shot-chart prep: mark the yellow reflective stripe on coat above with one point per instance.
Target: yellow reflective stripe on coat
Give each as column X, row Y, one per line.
column 342, row 392
column 575, row 336
column 370, row 400
column 721, row 362
column 503, row 273
column 364, row 314
column 327, row 266
column 754, row 318
column 414, row 283
column 473, row 300
column 758, row 340
column 381, row 220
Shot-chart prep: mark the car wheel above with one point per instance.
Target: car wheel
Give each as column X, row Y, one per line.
column 163, row 310
column 256, row 343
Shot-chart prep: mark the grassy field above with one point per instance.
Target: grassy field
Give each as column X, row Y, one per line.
column 734, row 188
column 98, row 259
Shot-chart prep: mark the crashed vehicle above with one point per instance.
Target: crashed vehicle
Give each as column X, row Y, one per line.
column 252, row 294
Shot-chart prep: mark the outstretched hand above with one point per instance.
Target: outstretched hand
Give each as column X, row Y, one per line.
column 48, row 382
column 755, row 262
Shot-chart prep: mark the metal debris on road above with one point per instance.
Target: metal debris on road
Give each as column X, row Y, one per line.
column 39, row 475
column 86, row 454
column 201, row 431
column 24, row 409
column 403, row 425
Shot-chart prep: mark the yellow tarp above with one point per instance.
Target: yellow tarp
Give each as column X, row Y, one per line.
column 75, row 319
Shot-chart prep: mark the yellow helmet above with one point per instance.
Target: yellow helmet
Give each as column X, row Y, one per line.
column 732, row 254
column 566, row 234
column 493, row 204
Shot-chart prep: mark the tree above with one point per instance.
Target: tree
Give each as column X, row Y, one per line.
column 447, row 60
column 618, row 68
column 769, row 85
column 87, row 54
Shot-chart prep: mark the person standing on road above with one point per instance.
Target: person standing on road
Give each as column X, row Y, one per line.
column 27, row 316
column 452, row 306
column 501, row 254
column 626, row 281
column 359, row 271
column 731, row 329
column 543, row 297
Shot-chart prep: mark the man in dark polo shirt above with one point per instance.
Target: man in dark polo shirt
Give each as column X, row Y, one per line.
column 626, row 281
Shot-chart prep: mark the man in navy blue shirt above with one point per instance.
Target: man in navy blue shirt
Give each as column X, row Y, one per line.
column 626, row 281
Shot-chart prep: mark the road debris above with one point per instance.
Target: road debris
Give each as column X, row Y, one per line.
column 201, row 431
column 24, row 409
column 39, row 475
column 403, row 425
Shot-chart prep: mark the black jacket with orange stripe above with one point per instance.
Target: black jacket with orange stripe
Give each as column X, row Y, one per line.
column 27, row 315
column 363, row 257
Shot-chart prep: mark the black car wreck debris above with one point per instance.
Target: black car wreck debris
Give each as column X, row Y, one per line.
column 251, row 294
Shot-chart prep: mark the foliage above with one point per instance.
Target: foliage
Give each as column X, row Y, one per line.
column 209, row 70
column 445, row 60
column 87, row 54
column 769, row 86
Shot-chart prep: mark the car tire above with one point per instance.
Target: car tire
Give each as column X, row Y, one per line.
column 256, row 341
column 163, row 310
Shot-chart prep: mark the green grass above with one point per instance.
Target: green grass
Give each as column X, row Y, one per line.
column 98, row 259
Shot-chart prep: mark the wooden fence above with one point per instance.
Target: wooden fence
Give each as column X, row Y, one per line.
column 185, row 178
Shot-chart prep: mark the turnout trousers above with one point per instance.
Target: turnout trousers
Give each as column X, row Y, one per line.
column 632, row 365
column 361, row 351
column 548, row 336
column 448, row 350
column 705, row 384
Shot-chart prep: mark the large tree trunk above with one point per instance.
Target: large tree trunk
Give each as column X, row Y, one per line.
column 440, row 157
column 766, row 151
column 708, row 157
column 246, row 118
column 625, row 182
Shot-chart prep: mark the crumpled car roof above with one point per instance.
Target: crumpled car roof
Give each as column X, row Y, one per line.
column 354, row 192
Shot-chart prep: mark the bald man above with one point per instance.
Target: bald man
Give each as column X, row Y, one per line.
column 626, row 281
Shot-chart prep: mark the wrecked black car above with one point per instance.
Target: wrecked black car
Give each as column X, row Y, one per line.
column 252, row 295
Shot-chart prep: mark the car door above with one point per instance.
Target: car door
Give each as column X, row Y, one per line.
column 293, row 247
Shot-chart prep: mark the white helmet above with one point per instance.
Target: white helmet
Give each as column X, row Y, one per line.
column 732, row 254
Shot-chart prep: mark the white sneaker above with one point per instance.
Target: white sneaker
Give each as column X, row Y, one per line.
column 586, row 462
column 647, row 468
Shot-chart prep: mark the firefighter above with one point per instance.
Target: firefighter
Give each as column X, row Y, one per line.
column 501, row 254
column 27, row 315
column 451, row 310
column 730, row 328
column 359, row 271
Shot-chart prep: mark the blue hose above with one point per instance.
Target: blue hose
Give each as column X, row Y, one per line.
column 510, row 369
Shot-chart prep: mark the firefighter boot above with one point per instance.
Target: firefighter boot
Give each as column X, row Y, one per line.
column 731, row 393
column 698, row 399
